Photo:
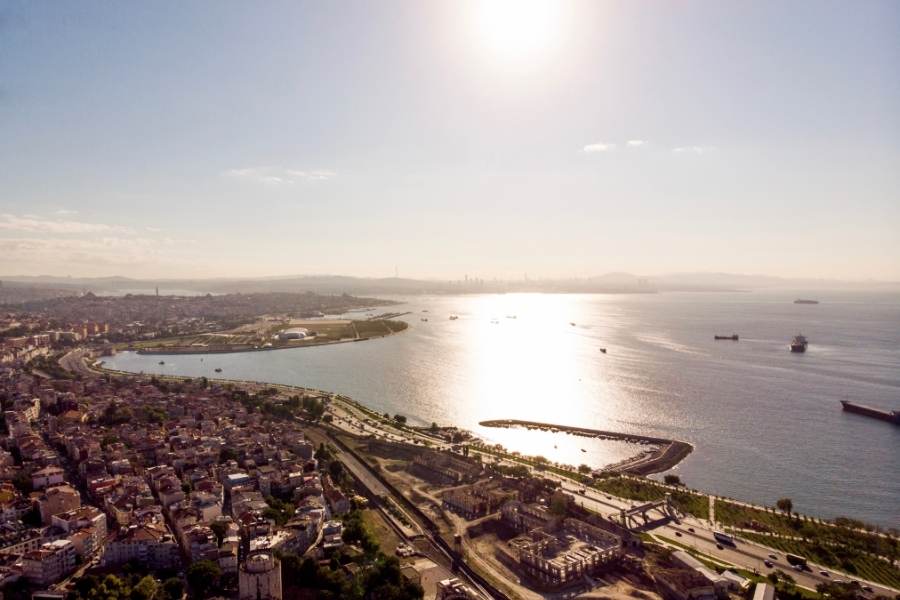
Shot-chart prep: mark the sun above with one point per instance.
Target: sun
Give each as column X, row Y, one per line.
column 519, row 29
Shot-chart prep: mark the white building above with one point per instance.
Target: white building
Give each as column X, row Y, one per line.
column 49, row 563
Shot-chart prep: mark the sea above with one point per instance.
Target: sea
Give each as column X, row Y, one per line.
column 765, row 423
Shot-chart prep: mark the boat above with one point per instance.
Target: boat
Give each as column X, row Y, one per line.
column 453, row 317
column 583, row 450
column 804, row 301
column 733, row 337
column 162, row 362
column 799, row 343
column 511, row 316
column 572, row 324
column 603, row 350
column 218, row 370
column 891, row 416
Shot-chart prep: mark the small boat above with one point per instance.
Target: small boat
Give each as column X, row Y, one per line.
column 603, row 350
column 733, row 337
column 453, row 317
column 583, row 450
column 511, row 317
column 572, row 324
column 218, row 370
column 799, row 343
column 162, row 362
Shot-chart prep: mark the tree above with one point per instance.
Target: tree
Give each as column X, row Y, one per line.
column 226, row 454
column 173, row 588
column 434, row 427
column 785, row 505
column 203, row 577
column 585, row 469
column 558, row 504
column 145, row 589
column 220, row 529
column 672, row 480
column 336, row 470
column 400, row 419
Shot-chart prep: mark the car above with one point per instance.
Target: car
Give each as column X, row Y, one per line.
column 824, row 573
column 719, row 546
column 691, row 529
column 677, row 534
column 768, row 563
column 773, row 556
column 799, row 568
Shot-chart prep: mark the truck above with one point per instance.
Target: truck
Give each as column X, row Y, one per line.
column 723, row 537
column 795, row 560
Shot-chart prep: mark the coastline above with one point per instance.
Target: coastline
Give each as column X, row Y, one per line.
column 237, row 348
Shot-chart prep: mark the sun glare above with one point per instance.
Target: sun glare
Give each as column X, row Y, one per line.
column 519, row 29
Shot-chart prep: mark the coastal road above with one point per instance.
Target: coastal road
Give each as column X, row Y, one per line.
column 74, row 361
column 744, row 554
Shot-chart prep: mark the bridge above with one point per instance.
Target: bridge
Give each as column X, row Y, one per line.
column 638, row 517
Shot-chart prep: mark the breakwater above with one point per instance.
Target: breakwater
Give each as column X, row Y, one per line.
column 664, row 455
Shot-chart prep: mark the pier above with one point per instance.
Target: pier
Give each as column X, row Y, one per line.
column 666, row 454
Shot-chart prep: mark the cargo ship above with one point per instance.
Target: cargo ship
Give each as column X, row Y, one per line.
column 799, row 343
column 733, row 337
column 802, row 301
column 891, row 416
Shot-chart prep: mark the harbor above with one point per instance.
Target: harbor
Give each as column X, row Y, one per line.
column 664, row 455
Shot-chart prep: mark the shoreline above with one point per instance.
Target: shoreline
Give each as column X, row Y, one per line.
column 235, row 349
column 667, row 454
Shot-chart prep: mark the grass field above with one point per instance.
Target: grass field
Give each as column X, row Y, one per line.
column 647, row 490
column 735, row 515
column 843, row 558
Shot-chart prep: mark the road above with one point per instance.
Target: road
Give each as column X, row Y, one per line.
column 744, row 554
column 74, row 361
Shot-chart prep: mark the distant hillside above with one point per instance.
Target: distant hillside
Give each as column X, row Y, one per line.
column 617, row 282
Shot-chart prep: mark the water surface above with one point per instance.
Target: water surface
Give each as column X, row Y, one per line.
column 765, row 423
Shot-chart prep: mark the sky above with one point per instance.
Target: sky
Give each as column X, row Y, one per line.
column 492, row 138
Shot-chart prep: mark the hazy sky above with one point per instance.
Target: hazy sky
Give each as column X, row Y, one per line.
column 444, row 138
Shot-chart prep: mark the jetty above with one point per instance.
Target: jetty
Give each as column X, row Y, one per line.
column 665, row 454
column 891, row 416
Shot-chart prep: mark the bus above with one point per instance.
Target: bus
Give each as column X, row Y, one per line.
column 723, row 537
column 797, row 561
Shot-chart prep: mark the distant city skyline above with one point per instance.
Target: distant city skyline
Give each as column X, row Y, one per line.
column 436, row 139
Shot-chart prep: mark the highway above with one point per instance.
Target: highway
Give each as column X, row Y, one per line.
column 744, row 554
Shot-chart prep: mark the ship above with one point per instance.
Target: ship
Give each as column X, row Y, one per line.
column 803, row 301
column 891, row 416
column 799, row 343
column 733, row 337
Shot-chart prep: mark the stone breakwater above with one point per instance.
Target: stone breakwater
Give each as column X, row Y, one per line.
column 664, row 455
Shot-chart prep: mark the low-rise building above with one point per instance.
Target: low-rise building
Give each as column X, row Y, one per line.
column 49, row 563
